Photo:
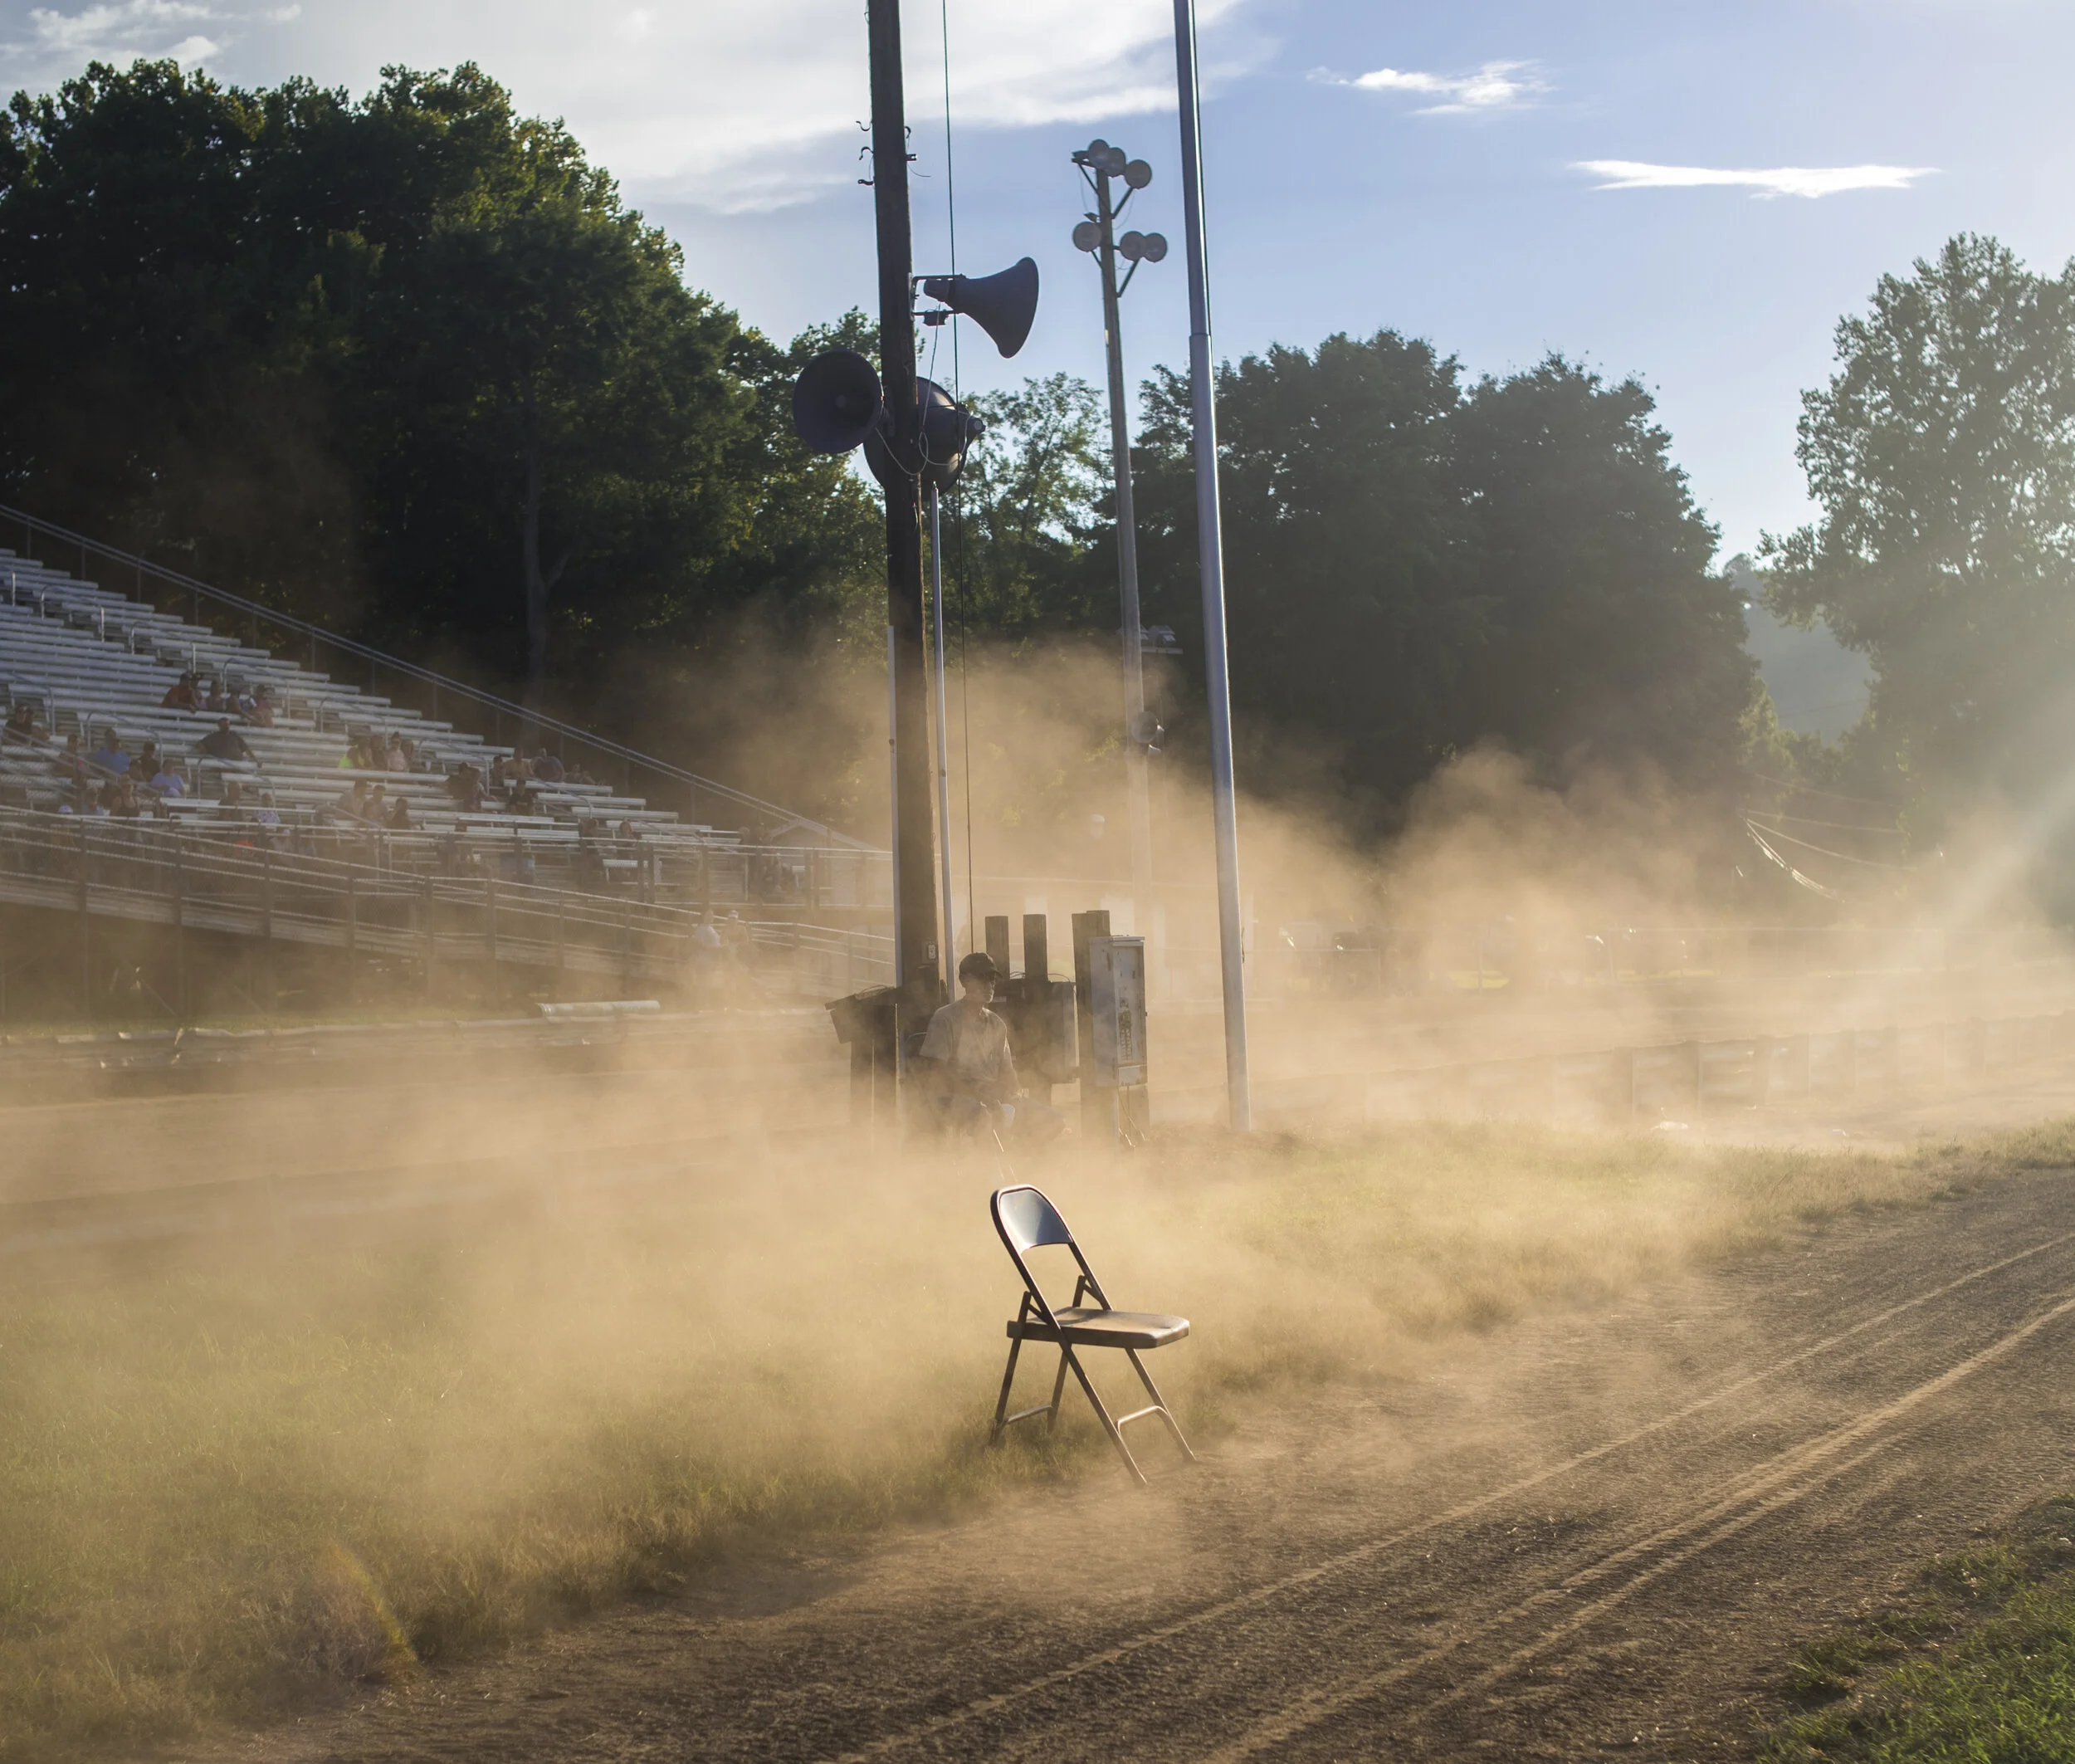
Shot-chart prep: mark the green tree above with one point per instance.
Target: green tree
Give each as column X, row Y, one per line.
column 1413, row 567
column 1942, row 455
column 1033, row 505
column 1605, row 636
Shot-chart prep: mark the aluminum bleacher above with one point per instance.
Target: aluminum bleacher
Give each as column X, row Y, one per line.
column 87, row 671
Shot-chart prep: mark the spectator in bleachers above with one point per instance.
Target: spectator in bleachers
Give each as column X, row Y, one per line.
column 517, row 864
column 266, row 815
column 263, row 711
column 183, row 695
column 547, row 768
column 399, row 819
column 411, row 755
column 579, row 774
column 90, row 803
column 352, row 804
column 232, row 808
column 121, row 800
column 71, row 766
column 22, row 725
column 375, row 810
column 465, row 787
column 223, row 742
column 109, row 758
column 215, row 702
column 167, row 782
column 243, row 702
column 393, row 756
column 147, row 761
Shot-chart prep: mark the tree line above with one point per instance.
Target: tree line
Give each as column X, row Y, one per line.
column 407, row 364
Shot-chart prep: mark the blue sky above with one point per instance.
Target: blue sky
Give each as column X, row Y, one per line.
column 1371, row 163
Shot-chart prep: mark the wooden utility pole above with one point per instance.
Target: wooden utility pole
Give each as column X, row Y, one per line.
column 919, row 971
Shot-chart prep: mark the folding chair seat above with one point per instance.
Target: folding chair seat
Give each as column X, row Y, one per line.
column 1026, row 1220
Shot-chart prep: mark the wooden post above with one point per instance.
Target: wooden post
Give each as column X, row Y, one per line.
column 1097, row 1112
column 490, row 915
column 267, row 923
column 1037, row 948
column 425, row 909
column 353, row 917
column 997, row 942
column 180, row 934
column 85, row 930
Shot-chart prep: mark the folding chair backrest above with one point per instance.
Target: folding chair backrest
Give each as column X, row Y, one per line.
column 1026, row 1219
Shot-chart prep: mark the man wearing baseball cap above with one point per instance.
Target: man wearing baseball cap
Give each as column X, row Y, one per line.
column 965, row 1053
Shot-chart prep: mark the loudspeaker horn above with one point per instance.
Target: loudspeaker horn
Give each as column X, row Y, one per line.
column 836, row 402
column 1002, row 306
column 944, row 431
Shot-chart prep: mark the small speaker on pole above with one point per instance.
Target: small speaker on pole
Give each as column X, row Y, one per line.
column 836, row 402
column 1003, row 305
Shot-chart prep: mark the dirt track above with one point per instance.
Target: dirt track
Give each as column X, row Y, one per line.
column 1602, row 1535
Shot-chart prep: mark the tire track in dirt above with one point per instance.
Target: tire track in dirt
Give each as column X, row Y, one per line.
column 1722, row 1498
column 1727, row 1511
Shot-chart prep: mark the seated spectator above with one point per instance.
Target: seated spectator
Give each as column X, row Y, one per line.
column 266, row 815
column 353, row 804
column 547, row 768
column 399, row 819
column 71, row 766
column 168, row 782
column 147, row 761
column 410, row 755
column 223, row 742
column 375, row 810
column 394, row 756
column 232, row 808
column 120, row 799
column 243, row 702
column 95, row 805
column 215, row 702
column 263, row 711
column 183, row 695
column 109, row 757
column 517, row 864
column 465, row 787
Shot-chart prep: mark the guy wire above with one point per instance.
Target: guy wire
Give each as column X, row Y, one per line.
column 958, row 503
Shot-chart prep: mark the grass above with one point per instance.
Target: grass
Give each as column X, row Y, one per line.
column 223, row 1490
column 1977, row 1667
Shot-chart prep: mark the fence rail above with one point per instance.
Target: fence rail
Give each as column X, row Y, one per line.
column 351, row 895
column 1659, row 1083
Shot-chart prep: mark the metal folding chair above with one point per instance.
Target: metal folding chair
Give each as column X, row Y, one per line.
column 1026, row 1221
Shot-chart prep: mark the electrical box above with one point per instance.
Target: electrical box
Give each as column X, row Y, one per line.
column 1117, row 1005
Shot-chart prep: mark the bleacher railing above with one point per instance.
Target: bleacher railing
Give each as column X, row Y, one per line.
column 368, row 895
column 437, row 695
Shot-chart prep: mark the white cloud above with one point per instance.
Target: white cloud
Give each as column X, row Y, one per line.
column 191, row 50
column 725, row 107
column 1784, row 180
column 1497, row 85
column 139, row 27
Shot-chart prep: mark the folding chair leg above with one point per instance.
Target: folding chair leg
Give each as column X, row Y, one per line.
column 1058, row 1390
column 1160, row 1402
column 1109, row 1426
column 1008, row 1378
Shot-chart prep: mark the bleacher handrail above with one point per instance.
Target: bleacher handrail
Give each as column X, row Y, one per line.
column 601, row 745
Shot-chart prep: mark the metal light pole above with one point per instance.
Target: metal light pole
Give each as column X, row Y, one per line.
column 943, row 739
column 1100, row 163
column 1210, row 547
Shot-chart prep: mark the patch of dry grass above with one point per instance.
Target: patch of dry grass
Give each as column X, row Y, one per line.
column 221, row 1490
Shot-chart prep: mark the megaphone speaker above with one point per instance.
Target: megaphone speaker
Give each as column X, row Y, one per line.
column 836, row 401
column 1002, row 306
column 942, row 434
